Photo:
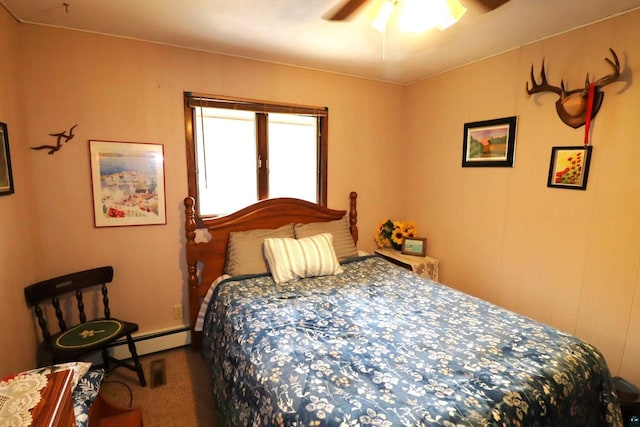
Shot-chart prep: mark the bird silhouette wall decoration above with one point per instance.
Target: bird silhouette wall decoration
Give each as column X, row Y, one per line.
column 60, row 136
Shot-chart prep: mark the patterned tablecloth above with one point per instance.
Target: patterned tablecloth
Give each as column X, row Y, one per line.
column 422, row 265
column 18, row 396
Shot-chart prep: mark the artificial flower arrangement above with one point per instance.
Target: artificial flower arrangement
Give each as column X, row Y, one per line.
column 391, row 233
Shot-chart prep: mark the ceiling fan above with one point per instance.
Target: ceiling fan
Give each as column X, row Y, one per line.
column 351, row 6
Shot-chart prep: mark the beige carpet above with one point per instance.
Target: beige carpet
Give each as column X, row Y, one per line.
column 184, row 400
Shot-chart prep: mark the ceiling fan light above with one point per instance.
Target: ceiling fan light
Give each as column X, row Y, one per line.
column 417, row 16
column 456, row 10
column 420, row 15
column 386, row 9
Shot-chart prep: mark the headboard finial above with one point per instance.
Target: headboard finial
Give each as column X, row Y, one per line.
column 353, row 215
column 190, row 218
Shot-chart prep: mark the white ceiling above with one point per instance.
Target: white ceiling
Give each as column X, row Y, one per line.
column 293, row 31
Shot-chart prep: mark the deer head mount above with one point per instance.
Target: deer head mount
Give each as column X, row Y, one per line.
column 572, row 105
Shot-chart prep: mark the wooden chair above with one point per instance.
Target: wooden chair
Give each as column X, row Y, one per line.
column 73, row 342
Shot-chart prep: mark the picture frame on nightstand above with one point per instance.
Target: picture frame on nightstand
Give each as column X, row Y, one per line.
column 416, row 246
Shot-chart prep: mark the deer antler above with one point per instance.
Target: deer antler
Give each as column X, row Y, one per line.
column 575, row 107
column 544, row 86
column 615, row 64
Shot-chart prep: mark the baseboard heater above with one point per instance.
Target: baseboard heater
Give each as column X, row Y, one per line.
column 153, row 342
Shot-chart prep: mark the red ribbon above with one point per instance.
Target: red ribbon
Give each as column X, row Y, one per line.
column 587, row 123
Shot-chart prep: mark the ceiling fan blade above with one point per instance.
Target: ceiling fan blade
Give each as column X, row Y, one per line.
column 491, row 4
column 346, row 10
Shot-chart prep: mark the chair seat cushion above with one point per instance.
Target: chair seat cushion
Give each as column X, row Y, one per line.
column 89, row 334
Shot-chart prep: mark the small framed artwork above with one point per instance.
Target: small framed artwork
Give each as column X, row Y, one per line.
column 569, row 167
column 6, row 176
column 414, row 246
column 128, row 183
column 489, row 143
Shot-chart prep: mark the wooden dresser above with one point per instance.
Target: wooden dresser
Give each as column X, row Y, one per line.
column 56, row 404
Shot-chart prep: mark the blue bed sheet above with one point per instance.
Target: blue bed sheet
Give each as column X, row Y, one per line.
column 378, row 345
column 85, row 393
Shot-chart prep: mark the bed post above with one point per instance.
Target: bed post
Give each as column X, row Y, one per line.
column 353, row 216
column 192, row 269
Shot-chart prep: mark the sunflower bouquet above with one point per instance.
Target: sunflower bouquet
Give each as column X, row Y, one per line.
column 391, row 233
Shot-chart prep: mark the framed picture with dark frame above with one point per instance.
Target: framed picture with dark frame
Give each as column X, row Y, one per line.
column 414, row 246
column 6, row 175
column 569, row 167
column 128, row 183
column 489, row 143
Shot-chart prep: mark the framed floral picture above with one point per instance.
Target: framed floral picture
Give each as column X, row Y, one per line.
column 489, row 143
column 569, row 167
column 6, row 176
column 128, row 183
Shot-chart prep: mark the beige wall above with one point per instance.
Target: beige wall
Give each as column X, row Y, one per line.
column 117, row 89
column 568, row 258
column 19, row 253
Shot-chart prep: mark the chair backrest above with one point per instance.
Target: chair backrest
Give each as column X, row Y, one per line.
column 49, row 291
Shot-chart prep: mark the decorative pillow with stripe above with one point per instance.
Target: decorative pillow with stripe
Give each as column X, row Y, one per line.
column 312, row 256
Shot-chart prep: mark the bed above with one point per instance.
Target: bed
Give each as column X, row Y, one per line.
column 370, row 343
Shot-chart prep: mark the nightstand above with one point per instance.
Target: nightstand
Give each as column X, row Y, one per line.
column 423, row 265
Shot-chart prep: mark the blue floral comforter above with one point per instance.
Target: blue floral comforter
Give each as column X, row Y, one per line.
column 378, row 345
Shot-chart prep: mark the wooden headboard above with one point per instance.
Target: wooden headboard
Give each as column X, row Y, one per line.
column 206, row 260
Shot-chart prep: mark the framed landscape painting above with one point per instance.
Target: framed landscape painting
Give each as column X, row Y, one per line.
column 489, row 143
column 6, row 176
column 128, row 183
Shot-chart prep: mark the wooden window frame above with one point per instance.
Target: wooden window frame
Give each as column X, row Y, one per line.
column 194, row 100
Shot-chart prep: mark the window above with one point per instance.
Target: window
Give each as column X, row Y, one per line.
column 240, row 151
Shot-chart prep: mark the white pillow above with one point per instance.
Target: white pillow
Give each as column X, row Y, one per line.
column 307, row 257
